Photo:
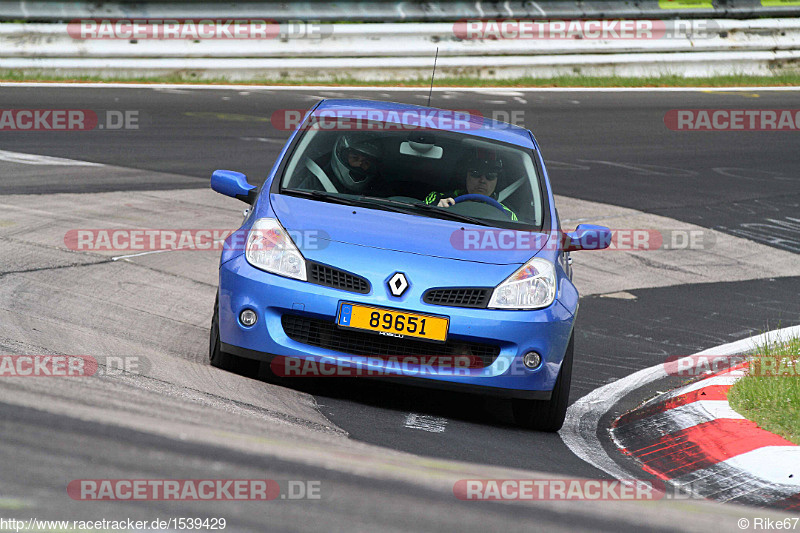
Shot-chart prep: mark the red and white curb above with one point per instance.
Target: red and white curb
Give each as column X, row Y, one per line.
column 691, row 437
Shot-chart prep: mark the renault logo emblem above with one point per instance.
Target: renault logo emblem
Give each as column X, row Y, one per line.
column 397, row 284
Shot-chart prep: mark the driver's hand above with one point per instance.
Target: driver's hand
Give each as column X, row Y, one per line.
column 446, row 202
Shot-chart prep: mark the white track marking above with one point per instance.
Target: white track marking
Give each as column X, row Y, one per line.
column 583, row 417
column 125, row 257
column 725, row 379
column 295, row 88
column 724, row 483
column 712, row 409
column 172, row 91
column 771, row 463
column 432, row 424
column 679, row 418
column 646, row 170
column 503, row 93
column 263, row 140
column 621, row 295
column 43, row 160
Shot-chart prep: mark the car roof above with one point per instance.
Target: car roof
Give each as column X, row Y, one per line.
column 478, row 125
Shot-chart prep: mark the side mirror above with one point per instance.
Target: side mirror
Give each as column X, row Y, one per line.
column 587, row 237
column 234, row 184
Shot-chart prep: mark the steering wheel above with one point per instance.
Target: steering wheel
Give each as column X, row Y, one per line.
column 482, row 198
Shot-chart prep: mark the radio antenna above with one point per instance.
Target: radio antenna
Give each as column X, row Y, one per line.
column 432, row 75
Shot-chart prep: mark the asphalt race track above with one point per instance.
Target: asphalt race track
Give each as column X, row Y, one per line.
column 384, row 455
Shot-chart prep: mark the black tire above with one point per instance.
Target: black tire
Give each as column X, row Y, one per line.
column 548, row 415
column 223, row 360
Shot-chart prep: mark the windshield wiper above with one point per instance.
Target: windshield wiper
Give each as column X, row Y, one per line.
column 360, row 201
column 391, row 205
column 438, row 211
column 320, row 195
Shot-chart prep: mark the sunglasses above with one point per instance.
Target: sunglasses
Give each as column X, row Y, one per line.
column 475, row 174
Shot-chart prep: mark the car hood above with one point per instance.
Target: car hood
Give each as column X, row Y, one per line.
column 311, row 220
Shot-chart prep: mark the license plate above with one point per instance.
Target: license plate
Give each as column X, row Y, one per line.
column 393, row 323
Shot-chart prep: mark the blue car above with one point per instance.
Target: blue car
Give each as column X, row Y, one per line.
column 409, row 243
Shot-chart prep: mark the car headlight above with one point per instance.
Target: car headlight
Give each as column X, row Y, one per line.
column 531, row 287
column 269, row 247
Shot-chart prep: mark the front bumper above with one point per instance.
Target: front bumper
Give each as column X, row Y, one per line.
column 546, row 331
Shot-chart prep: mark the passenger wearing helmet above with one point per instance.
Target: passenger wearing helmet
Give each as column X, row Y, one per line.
column 351, row 167
column 480, row 172
column 354, row 163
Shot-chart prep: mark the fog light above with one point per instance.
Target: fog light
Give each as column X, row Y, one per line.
column 248, row 317
column 532, row 359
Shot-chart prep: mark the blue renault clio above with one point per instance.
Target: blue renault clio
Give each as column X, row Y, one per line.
column 411, row 243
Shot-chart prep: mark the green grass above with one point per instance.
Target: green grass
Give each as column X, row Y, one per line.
column 770, row 400
column 783, row 79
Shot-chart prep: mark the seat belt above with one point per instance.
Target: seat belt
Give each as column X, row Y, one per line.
column 508, row 191
column 323, row 178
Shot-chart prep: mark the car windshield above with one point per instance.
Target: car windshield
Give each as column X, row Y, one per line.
column 439, row 174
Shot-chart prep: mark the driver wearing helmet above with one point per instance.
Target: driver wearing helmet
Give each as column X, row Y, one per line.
column 354, row 163
column 480, row 175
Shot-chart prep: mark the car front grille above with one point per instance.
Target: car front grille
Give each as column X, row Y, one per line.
column 477, row 297
column 325, row 334
column 338, row 279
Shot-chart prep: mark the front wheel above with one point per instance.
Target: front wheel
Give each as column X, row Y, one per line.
column 548, row 415
column 223, row 360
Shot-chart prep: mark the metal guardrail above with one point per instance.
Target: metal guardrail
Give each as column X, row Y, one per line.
column 692, row 64
column 405, row 50
column 396, row 11
column 401, row 40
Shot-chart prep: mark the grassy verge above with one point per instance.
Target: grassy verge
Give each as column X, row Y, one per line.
column 770, row 394
column 784, row 79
